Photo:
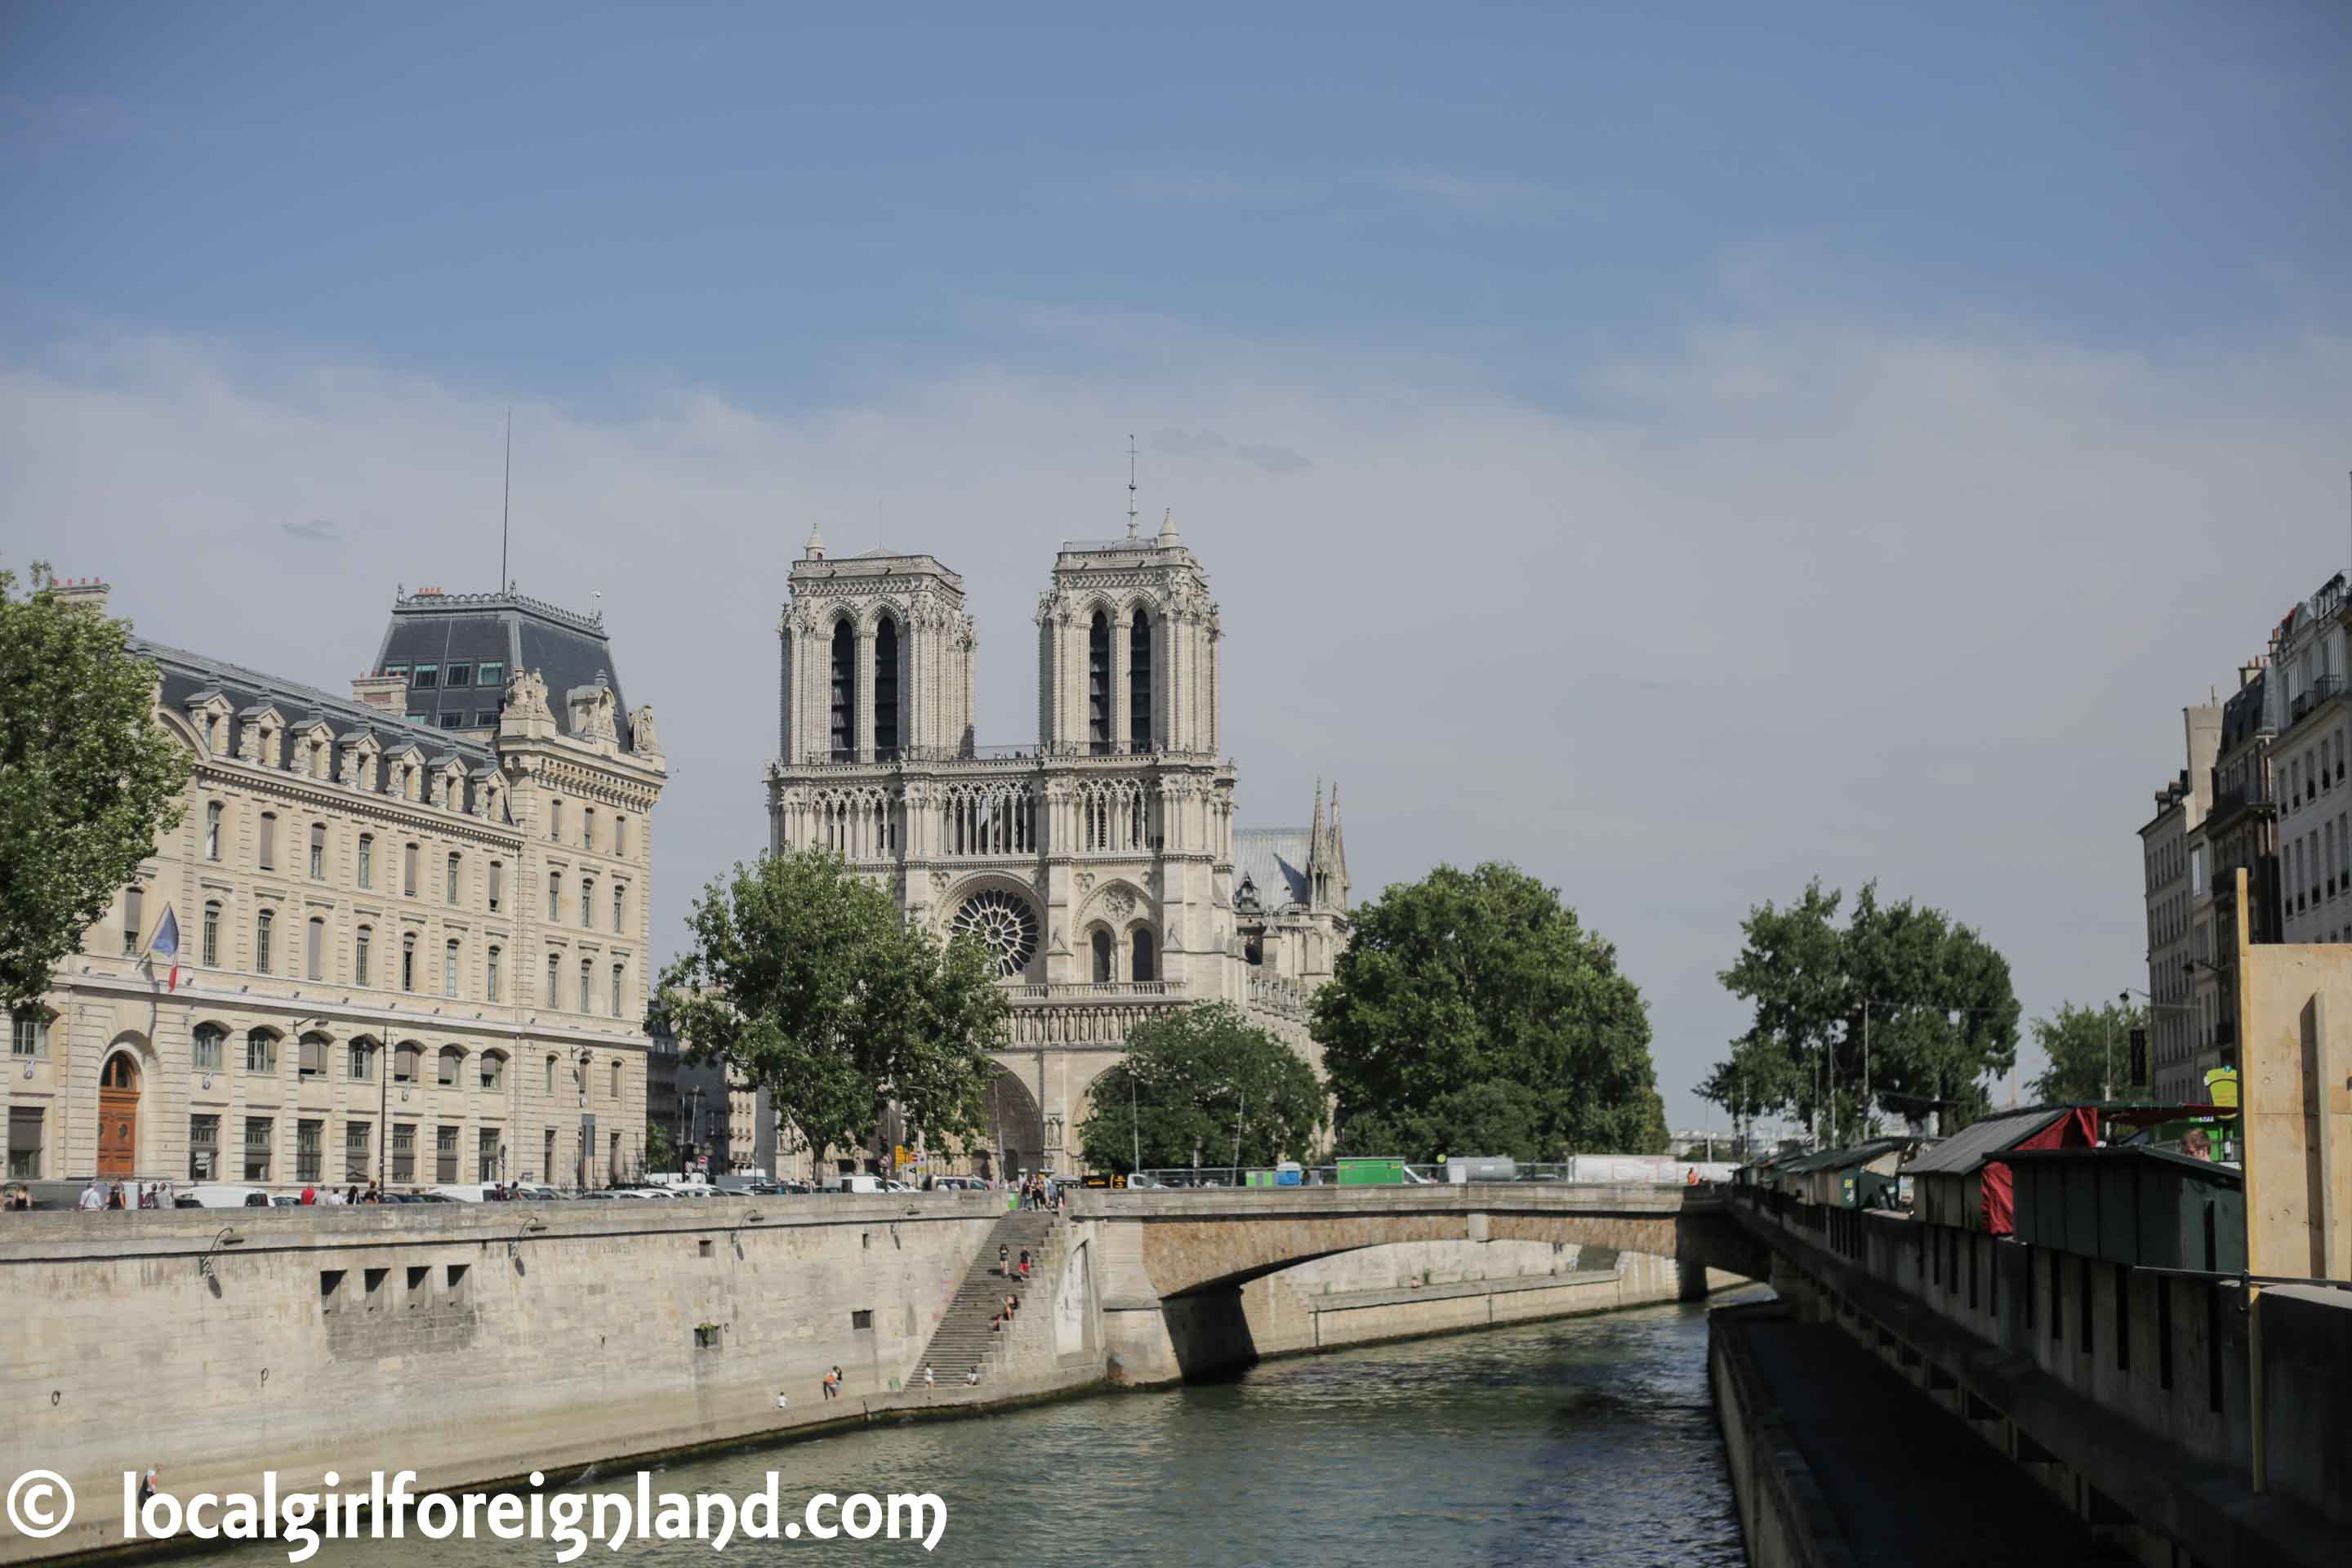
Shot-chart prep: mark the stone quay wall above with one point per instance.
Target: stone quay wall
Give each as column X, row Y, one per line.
column 1417, row 1289
column 469, row 1343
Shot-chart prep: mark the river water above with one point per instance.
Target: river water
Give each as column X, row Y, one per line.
column 1583, row 1441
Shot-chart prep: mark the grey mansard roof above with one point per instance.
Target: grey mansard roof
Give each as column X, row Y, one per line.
column 1274, row 860
column 569, row 649
column 194, row 677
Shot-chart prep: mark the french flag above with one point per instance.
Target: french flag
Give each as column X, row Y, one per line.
column 167, row 942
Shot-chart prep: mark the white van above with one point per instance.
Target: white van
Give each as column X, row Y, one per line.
column 858, row 1184
column 466, row 1191
column 221, row 1195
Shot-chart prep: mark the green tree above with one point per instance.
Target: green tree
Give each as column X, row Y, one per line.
column 1196, row 1085
column 87, row 778
column 801, row 977
column 2089, row 1050
column 661, row 1155
column 1900, row 1002
column 1471, row 1009
column 1477, row 1119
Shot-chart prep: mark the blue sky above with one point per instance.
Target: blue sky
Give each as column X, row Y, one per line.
column 1679, row 448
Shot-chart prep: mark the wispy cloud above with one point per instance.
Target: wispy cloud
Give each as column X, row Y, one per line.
column 1799, row 597
column 1486, row 196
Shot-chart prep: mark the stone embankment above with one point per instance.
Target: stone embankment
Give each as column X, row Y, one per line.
column 473, row 1345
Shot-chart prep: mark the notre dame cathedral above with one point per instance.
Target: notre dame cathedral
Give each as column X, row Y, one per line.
column 1100, row 863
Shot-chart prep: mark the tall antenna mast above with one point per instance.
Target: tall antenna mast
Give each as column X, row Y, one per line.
column 506, row 501
column 1130, row 485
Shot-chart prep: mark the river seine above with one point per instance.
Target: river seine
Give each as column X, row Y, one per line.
column 1584, row 1441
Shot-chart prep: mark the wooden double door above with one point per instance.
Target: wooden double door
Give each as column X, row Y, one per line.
column 118, row 1118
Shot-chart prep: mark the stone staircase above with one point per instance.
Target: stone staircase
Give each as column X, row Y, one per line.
column 963, row 1339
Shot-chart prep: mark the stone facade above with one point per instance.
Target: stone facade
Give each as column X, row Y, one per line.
column 2178, row 907
column 407, row 951
column 1098, row 862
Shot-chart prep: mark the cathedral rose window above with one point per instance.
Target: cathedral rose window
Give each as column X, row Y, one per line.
column 1005, row 925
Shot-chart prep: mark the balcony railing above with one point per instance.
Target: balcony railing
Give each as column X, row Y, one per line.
column 892, row 756
column 1097, row 990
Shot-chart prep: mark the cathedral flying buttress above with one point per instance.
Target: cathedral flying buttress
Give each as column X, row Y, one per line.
column 1099, row 864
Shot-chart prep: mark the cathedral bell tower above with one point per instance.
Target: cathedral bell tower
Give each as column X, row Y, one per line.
column 1127, row 650
column 876, row 664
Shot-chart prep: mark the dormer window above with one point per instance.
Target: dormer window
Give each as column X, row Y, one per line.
column 425, row 678
column 461, row 675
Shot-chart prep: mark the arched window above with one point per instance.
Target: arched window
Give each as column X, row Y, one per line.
column 1102, row 956
column 318, row 851
column 1139, row 682
column 408, row 960
column 211, row 949
column 406, row 1058
column 587, row 902
column 367, row 860
column 885, row 690
column 266, row 844
column 555, row 820
column 845, row 691
column 551, row 1075
column 119, row 1072
column 314, row 1047
column 587, row 828
column 360, row 1060
column 212, row 829
column 491, row 975
column 620, row 833
column 361, row 942
column 408, row 871
column 587, row 984
column 494, row 1069
column 620, row 907
column 620, row 987
column 553, row 974
column 210, row 1044
column 449, row 968
column 614, row 1079
column 498, row 884
column 263, row 924
column 449, row 889
column 554, row 896
column 1145, row 965
column 314, row 950
column 1098, row 684
column 261, row 1051
column 452, row 1066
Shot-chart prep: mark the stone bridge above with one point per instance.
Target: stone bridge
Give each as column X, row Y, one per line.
column 1168, row 1265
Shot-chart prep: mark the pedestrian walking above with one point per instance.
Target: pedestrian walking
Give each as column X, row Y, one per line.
column 310, row 1195
column 114, row 1198
column 1004, row 1252
column 931, row 1384
column 1024, row 1263
column 93, row 1196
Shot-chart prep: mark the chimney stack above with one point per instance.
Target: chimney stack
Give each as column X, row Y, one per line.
column 89, row 592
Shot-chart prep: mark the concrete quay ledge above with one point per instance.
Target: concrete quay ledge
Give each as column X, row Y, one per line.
column 1334, row 1202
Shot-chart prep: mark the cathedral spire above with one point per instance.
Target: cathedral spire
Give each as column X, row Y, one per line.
column 1338, row 847
column 815, row 551
column 1318, row 856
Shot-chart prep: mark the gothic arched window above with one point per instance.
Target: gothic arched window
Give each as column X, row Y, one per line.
column 1144, row 966
column 1139, row 682
column 885, row 690
column 845, row 691
column 1098, row 684
column 1102, row 956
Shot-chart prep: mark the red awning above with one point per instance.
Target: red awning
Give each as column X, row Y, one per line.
column 2078, row 1129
